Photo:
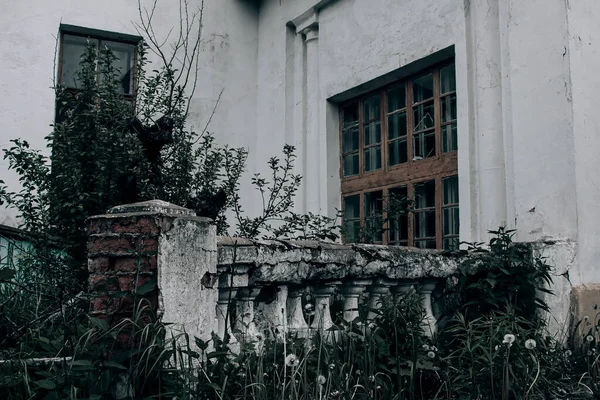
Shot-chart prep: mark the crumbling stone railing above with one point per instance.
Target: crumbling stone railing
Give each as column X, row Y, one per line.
column 203, row 280
column 288, row 268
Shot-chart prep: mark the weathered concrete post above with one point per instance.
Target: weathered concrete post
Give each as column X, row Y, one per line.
column 156, row 251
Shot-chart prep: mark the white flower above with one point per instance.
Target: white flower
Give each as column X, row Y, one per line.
column 496, row 348
column 331, row 366
column 530, row 344
column 425, row 347
column 308, row 307
column 568, row 353
column 509, row 339
column 589, row 338
column 433, row 348
column 321, row 380
column 431, row 354
column 292, row 360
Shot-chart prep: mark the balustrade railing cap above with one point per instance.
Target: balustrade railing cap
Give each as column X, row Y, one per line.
column 151, row 206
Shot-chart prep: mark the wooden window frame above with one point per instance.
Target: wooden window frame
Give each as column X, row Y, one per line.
column 436, row 167
column 100, row 36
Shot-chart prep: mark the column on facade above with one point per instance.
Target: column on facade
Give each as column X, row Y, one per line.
column 312, row 160
column 485, row 60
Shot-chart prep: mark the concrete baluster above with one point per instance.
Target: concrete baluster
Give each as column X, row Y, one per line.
column 322, row 294
column 429, row 321
column 295, row 317
column 226, row 296
column 403, row 289
column 351, row 291
column 245, row 312
column 378, row 289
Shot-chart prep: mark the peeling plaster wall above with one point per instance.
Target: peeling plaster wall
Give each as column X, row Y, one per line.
column 228, row 62
column 582, row 50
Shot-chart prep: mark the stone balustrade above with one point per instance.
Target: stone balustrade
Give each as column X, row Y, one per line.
column 285, row 270
column 246, row 289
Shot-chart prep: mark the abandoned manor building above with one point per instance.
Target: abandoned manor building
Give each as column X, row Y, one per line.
column 482, row 112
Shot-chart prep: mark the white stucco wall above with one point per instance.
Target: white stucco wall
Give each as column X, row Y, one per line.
column 227, row 62
column 526, row 79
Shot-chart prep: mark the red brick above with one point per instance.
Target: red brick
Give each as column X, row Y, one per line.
column 110, row 245
column 133, row 264
column 101, row 303
column 97, row 225
column 103, row 282
column 121, row 245
column 139, row 225
column 99, row 264
column 126, row 282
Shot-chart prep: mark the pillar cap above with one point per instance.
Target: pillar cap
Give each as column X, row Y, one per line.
column 151, row 206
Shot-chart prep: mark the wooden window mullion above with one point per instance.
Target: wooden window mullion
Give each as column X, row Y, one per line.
column 409, row 124
column 438, row 211
column 411, row 215
column 361, row 142
column 384, row 215
column 437, row 112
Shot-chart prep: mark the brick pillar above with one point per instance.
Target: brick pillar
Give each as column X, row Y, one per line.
column 158, row 252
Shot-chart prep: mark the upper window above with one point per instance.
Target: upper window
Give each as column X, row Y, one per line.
column 73, row 40
column 399, row 147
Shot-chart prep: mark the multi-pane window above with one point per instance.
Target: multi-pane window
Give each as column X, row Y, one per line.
column 73, row 41
column 399, row 147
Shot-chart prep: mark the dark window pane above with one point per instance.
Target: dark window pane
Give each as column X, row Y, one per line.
column 423, row 145
column 350, row 114
column 424, row 194
column 398, row 231
column 351, row 231
column 123, row 64
column 372, row 158
column 73, row 48
column 373, row 219
column 373, row 203
column 372, row 108
column 351, row 164
column 450, row 224
column 450, row 190
column 397, row 208
column 397, row 125
column 372, row 133
column 424, row 224
column 396, row 98
column 447, row 79
column 449, row 138
column 448, row 108
column 423, row 88
column 423, row 116
column 425, row 244
column 352, row 207
column 450, row 243
column 397, row 152
column 350, row 139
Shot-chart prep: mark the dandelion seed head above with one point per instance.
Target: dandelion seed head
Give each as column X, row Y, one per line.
column 530, row 344
column 509, row 339
column 292, row 360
